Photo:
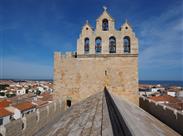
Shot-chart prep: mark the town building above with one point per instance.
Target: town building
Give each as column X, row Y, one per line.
column 21, row 109
column 168, row 100
column 5, row 116
column 21, row 91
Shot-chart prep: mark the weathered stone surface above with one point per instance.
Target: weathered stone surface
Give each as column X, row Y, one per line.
column 106, row 125
column 82, row 119
column 85, row 76
column 90, row 117
column 140, row 122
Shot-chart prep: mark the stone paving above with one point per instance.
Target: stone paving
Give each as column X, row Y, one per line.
column 87, row 118
column 90, row 117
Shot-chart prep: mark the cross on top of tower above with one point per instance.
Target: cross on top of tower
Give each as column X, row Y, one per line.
column 105, row 8
column 126, row 20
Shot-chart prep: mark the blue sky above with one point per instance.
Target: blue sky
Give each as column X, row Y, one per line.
column 31, row 30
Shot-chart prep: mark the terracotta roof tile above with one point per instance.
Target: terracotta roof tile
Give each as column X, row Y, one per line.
column 46, row 97
column 5, row 103
column 4, row 112
column 40, row 103
column 178, row 106
column 24, row 106
column 168, row 98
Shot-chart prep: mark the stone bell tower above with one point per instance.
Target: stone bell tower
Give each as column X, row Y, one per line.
column 105, row 56
column 105, row 33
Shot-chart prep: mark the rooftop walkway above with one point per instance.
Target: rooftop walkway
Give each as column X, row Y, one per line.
column 104, row 114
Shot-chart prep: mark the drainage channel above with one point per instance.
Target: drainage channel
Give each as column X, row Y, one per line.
column 119, row 126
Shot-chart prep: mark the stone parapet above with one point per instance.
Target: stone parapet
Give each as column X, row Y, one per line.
column 33, row 122
column 105, row 55
column 171, row 117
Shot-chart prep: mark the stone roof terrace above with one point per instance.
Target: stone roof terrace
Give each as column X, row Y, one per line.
column 106, row 114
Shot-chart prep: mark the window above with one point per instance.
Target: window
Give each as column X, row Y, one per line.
column 12, row 118
column 105, row 72
column 86, row 45
column 98, row 43
column 68, row 103
column 75, row 55
column 1, row 121
column 23, row 126
column 105, row 25
column 112, row 45
column 126, row 44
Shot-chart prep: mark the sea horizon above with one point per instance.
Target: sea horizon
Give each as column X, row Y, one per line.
column 151, row 82
column 165, row 83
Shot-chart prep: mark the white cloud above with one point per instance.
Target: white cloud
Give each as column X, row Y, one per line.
column 16, row 68
column 163, row 41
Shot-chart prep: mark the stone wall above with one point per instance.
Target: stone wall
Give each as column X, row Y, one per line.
column 31, row 123
column 87, row 74
column 167, row 115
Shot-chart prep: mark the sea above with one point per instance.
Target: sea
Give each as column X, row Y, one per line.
column 166, row 83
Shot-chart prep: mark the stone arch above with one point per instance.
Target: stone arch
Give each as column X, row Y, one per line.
column 126, row 44
column 112, row 44
column 98, row 45
column 86, row 45
column 68, row 102
column 105, row 24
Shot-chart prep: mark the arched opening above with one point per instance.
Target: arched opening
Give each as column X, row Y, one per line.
column 68, row 102
column 105, row 25
column 75, row 55
column 98, row 45
column 126, row 44
column 112, row 44
column 86, row 45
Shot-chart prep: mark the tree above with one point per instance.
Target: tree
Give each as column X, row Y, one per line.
column 3, row 86
column 38, row 92
column 10, row 95
column 2, row 93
